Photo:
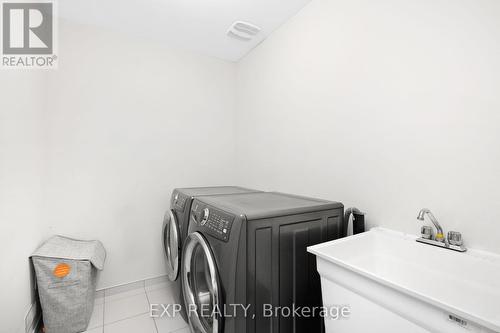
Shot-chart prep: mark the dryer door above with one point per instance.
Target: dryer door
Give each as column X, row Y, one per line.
column 171, row 244
column 200, row 279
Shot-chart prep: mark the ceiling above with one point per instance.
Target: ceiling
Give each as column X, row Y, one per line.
column 197, row 25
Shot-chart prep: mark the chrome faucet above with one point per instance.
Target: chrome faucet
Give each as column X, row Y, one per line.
column 453, row 242
column 439, row 231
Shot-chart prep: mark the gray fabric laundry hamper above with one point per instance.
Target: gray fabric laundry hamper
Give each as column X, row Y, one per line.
column 66, row 272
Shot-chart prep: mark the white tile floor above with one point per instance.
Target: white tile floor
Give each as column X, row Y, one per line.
column 128, row 312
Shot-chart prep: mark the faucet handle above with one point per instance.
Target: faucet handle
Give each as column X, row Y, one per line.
column 426, row 232
column 455, row 238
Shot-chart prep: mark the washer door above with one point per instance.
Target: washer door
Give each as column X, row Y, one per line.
column 201, row 285
column 171, row 244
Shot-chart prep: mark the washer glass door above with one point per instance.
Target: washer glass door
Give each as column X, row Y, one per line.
column 171, row 244
column 201, row 285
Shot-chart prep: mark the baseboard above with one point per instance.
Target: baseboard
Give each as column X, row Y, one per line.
column 108, row 291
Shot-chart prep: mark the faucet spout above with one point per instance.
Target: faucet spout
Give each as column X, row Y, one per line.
column 439, row 230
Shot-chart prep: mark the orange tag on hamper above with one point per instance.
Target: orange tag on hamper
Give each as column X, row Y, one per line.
column 61, row 270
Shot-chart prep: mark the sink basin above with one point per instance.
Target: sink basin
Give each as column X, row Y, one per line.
column 393, row 280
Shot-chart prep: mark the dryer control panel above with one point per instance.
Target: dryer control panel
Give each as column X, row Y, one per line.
column 214, row 222
column 178, row 200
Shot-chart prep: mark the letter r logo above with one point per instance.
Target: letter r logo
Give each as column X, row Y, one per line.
column 27, row 28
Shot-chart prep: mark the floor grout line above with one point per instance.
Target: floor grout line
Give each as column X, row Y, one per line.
column 131, row 317
column 180, row 329
column 103, row 309
column 149, row 304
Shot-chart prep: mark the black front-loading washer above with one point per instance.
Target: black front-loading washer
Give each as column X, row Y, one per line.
column 251, row 250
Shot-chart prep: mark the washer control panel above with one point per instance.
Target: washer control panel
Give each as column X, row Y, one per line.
column 214, row 222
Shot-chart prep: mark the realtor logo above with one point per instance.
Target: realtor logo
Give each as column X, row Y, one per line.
column 28, row 34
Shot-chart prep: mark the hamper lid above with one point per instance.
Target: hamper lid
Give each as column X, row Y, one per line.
column 69, row 248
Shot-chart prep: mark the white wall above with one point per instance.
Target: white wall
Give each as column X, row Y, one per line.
column 388, row 105
column 22, row 166
column 93, row 150
column 128, row 121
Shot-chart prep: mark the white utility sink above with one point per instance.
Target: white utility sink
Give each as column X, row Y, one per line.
column 394, row 284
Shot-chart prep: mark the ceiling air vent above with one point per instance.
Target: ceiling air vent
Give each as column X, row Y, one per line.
column 243, row 31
